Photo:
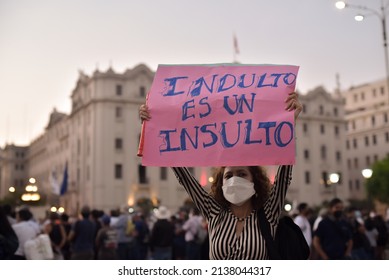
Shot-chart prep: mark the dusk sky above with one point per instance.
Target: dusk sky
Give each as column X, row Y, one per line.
column 44, row 44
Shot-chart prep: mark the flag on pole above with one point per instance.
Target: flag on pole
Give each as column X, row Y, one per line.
column 64, row 185
column 55, row 188
column 236, row 47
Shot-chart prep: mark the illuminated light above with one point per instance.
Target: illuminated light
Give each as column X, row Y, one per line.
column 367, row 173
column 35, row 197
column 26, row 197
column 210, row 179
column 359, row 17
column 61, row 210
column 334, row 178
column 340, row 5
column 131, row 210
column 32, row 180
column 288, row 207
column 11, row 189
column 53, row 209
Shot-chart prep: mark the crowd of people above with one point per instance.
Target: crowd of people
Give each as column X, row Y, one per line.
column 333, row 233
column 96, row 235
column 340, row 233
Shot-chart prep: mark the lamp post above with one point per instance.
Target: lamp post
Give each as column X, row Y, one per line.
column 334, row 179
column 381, row 14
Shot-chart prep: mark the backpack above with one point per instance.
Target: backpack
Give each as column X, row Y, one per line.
column 289, row 242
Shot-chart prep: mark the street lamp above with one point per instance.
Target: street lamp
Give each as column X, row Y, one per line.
column 367, row 173
column 334, row 179
column 381, row 14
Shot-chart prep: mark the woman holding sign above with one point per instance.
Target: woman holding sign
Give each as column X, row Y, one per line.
column 236, row 194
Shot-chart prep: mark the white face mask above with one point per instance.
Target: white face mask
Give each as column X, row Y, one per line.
column 238, row 190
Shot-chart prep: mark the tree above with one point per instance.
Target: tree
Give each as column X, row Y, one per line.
column 377, row 186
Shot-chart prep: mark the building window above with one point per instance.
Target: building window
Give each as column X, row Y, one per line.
column 338, row 155
column 355, row 144
column 118, row 171
column 142, row 92
column 374, row 139
column 366, row 141
column 355, row 97
column 367, row 160
column 363, row 96
column 356, row 162
column 323, row 152
column 119, row 90
column 142, row 174
column 382, row 91
column 118, row 143
column 163, row 173
column 350, row 185
column 336, row 130
column 385, row 117
column 307, row 177
column 349, row 163
column 322, row 129
column 387, row 136
column 324, row 178
column 336, row 111
column 373, row 120
column 348, row 144
column 321, row 110
column 305, row 127
column 118, row 112
column 374, row 92
column 306, row 154
column 375, row 158
column 304, row 108
column 357, row 185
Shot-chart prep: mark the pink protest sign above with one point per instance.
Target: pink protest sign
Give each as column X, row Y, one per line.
column 220, row 115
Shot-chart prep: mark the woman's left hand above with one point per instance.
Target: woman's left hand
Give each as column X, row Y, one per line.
column 292, row 103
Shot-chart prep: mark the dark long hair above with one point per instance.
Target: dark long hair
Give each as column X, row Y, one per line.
column 5, row 226
column 261, row 186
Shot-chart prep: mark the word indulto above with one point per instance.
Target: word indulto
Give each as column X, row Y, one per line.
column 217, row 84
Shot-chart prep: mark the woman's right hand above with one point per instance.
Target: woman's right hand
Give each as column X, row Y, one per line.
column 144, row 113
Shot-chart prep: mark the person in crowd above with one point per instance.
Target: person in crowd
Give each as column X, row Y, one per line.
column 9, row 242
column 162, row 235
column 333, row 239
column 10, row 213
column 191, row 227
column 236, row 193
column 64, row 219
column 383, row 236
column 82, row 237
column 302, row 221
column 96, row 218
column 142, row 234
column 25, row 230
column 57, row 235
column 125, row 228
column 179, row 235
column 361, row 244
column 372, row 235
column 106, row 240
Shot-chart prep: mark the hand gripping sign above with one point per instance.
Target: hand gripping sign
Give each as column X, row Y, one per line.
column 220, row 115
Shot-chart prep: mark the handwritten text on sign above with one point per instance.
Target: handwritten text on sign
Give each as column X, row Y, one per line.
column 218, row 115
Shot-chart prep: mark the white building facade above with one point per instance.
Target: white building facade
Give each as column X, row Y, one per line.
column 367, row 115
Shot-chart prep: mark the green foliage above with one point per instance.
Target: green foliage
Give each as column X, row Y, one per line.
column 377, row 186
